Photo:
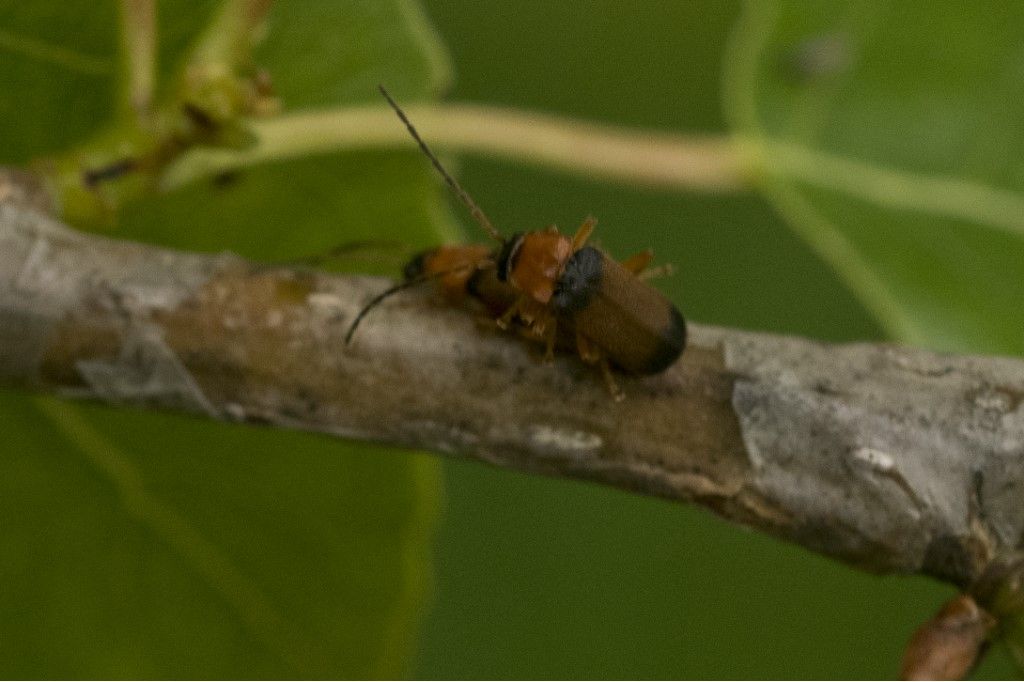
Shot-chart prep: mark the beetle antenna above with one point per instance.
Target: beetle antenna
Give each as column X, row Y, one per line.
column 387, row 293
column 477, row 213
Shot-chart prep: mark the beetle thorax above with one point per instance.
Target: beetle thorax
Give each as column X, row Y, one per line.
column 537, row 263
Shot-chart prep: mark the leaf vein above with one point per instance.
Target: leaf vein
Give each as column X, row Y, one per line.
column 54, row 54
column 242, row 595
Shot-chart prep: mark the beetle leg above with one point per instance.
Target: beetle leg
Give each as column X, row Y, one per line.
column 505, row 320
column 663, row 270
column 589, row 353
column 583, row 234
column 592, row 355
column 638, row 262
column 540, row 325
column 609, row 380
column 485, row 323
column 357, row 251
column 549, row 340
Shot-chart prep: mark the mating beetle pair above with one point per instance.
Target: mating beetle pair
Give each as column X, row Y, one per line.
column 554, row 289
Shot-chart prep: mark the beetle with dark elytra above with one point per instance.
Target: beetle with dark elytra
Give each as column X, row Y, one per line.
column 554, row 289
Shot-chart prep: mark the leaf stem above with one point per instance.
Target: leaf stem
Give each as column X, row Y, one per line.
column 655, row 159
column 229, row 38
column 139, row 38
column 739, row 91
column 944, row 197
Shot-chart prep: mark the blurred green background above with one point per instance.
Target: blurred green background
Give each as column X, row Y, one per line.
column 266, row 554
column 540, row 578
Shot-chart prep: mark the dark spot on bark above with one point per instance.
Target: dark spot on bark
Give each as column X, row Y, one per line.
column 824, row 388
column 1015, row 396
column 74, row 341
column 954, row 559
column 295, row 290
column 977, row 494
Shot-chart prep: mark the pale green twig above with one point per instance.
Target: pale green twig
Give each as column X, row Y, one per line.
column 138, row 35
column 229, row 38
column 700, row 163
column 935, row 195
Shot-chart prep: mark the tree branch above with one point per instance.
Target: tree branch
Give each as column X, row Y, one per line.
column 889, row 458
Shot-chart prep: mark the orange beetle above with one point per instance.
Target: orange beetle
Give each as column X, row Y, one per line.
column 555, row 289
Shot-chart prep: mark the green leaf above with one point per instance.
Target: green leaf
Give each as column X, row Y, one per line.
column 58, row 64
column 356, row 38
column 888, row 136
column 151, row 546
column 1015, row 639
column 204, row 552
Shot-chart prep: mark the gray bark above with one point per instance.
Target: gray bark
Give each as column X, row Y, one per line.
column 890, row 458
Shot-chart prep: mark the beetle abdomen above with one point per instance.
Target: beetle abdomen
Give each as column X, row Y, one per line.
column 638, row 329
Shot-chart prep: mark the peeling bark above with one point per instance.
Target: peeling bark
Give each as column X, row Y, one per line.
column 889, row 458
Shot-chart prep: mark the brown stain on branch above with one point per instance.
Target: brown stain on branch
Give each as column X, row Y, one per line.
column 261, row 352
column 75, row 340
column 254, row 342
column 245, row 332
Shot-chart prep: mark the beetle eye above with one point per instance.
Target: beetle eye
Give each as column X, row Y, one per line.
column 507, row 256
column 414, row 268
